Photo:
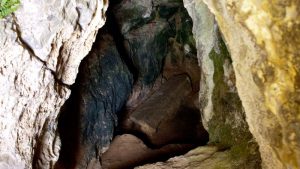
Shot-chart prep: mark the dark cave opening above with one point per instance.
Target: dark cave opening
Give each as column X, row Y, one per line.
column 137, row 89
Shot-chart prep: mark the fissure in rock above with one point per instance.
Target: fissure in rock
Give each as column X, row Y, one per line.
column 135, row 99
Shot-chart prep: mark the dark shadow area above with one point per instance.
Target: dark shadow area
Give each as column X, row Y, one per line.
column 89, row 118
column 68, row 128
column 112, row 27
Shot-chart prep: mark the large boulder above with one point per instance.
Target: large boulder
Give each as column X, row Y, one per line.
column 41, row 47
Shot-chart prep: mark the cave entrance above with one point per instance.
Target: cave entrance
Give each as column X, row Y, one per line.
column 135, row 99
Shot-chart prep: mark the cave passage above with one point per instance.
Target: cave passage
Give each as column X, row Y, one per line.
column 135, row 99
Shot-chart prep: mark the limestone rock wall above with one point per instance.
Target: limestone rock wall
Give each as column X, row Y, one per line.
column 263, row 43
column 41, row 47
column 222, row 112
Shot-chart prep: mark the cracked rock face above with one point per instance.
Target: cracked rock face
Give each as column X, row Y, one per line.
column 39, row 56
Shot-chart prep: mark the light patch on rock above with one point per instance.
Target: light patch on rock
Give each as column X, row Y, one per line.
column 204, row 30
column 41, row 47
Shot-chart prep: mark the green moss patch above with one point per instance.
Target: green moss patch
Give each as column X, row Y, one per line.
column 7, row 7
column 228, row 127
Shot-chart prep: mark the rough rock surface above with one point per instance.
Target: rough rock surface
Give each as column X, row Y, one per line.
column 208, row 157
column 262, row 38
column 39, row 56
column 152, row 31
column 222, row 111
column 87, row 121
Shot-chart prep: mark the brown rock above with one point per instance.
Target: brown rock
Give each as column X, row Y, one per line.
column 127, row 151
column 163, row 120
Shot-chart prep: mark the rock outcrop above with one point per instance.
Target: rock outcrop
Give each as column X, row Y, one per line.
column 222, row 111
column 261, row 37
column 41, row 47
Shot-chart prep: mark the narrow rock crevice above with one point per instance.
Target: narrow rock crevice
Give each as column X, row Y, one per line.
column 32, row 54
column 138, row 57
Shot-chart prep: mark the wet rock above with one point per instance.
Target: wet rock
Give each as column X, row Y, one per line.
column 127, row 151
column 162, row 118
column 89, row 117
